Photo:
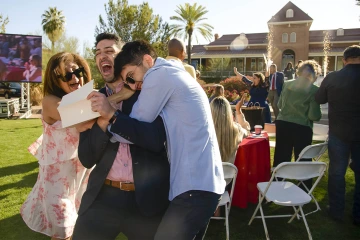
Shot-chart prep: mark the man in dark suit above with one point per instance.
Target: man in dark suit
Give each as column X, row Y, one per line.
column 128, row 188
column 276, row 81
column 341, row 90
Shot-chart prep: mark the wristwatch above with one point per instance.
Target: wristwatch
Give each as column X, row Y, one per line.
column 113, row 118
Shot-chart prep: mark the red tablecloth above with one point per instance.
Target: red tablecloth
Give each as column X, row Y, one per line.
column 253, row 163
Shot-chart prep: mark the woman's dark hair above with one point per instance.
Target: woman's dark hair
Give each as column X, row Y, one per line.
column 262, row 79
column 289, row 65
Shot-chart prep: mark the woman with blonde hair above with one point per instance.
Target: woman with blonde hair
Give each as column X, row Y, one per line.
column 229, row 133
column 52, row 205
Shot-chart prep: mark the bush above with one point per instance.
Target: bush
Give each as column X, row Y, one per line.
column 36, row 94
column 233, row 88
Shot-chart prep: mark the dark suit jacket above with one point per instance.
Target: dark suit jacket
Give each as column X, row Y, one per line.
column 151, row 168
column 279, row 81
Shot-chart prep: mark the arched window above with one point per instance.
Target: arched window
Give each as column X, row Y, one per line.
column 289, row 13
column 293, row 37
column 340, row 32
column 285, row 37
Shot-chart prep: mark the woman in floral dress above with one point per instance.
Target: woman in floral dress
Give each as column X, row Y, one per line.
column 51, row 207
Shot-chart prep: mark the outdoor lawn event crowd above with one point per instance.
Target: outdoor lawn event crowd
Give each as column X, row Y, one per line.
column 20, row 58
column 150, row 166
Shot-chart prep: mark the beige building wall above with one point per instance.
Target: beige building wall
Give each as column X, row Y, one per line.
column 300, row 47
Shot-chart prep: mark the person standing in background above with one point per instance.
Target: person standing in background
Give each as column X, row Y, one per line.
column 177, row 51
column 341, row 90
column 276, row 81
column 289, row 71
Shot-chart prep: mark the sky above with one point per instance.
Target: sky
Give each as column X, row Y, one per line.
column 226, row 16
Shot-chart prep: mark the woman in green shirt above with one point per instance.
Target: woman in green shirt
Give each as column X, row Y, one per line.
column 298, row 110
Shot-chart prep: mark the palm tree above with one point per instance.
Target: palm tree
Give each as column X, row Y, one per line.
column 191, row 17
column 3, row 22
column 53, row 22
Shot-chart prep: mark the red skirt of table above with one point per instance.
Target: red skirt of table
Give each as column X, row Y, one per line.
column 253, row 163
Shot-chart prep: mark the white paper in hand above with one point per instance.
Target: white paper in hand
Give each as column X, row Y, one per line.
column 268, row 62
column 74, row 108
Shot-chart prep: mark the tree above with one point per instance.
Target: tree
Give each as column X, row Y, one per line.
column 191, row 17
column 89, row 55
column 133, row 22
column 3, row 23
column 53, row 22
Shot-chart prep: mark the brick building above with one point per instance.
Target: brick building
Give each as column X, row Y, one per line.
column 289, row 39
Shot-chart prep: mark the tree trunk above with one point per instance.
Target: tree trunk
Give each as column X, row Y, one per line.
column 189, row 46
column 52, row 46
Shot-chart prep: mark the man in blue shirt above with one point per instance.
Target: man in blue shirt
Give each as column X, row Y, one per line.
column 196, row 174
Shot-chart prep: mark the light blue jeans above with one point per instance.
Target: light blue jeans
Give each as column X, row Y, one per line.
column 339, row 153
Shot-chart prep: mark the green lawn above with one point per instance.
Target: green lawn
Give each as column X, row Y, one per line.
column 18, row 172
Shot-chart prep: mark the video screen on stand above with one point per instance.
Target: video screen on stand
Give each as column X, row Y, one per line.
column 20, row 58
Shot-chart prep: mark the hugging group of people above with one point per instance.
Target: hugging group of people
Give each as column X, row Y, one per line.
column 149, row 167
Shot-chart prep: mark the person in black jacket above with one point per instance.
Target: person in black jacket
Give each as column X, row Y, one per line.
column 341, row 90
column 128, row 188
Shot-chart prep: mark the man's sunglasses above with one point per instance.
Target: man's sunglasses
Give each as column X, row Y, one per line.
column 129, row 78
column 68, row 76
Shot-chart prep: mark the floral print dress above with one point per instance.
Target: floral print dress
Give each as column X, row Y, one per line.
column 52, row 205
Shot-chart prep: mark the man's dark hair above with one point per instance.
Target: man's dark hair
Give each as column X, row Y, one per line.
column 132, row 54
column 109, row 36
column 175, row 47
column 352, row 52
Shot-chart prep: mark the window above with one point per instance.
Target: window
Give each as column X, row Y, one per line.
column 285, row 37
column 293, row 37
column 340, row 32
column 289, row 13
column 253, row 64
column 261, row 66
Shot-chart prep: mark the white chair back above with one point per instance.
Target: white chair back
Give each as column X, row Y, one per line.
column 320, row 132
column 313, row 151
column 230, row 174
column 299, row 170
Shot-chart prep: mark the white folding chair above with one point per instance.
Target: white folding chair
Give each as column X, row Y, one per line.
column 286, row 193
column 314, row 152
column 320, row 132
column 230, row 174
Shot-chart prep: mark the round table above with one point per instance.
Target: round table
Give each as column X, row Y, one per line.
column 253, row 163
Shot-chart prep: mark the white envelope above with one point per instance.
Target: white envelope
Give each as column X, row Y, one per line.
column 74, row 108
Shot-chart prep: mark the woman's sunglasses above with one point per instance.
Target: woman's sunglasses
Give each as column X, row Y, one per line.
column 68, row 76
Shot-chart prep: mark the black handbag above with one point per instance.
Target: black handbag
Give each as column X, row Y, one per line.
column 254, row 114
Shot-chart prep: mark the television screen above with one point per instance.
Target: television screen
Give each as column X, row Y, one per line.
column 20, row 58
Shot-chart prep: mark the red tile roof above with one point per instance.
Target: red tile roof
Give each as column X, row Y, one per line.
column 228, row 52
column 332, row 50
column 299, row 15
column 253, row 38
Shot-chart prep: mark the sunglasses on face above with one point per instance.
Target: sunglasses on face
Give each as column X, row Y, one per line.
column 129, row 78
column 79, row 72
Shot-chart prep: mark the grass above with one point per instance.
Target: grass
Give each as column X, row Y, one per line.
column 18, row 173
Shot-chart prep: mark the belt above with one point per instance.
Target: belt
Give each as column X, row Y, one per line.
column 125, row 186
